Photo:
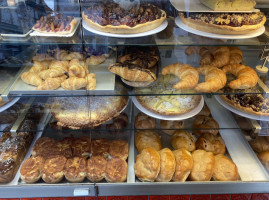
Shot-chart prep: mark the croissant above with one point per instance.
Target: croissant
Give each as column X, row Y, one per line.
column 91, row 81
column 189, row 75
column 61, row 65
column 236, row 55
column 51, row 73
column 74, row 83
column 61, row 55
column 51, row 83
column 215, row 79
column 246, row 76
column 192, row 50
column 221, row 57
column 77, row 70
column 31, row 78
column 39, row 66
column 95, row 60
column 75, row 55
column 207, row 57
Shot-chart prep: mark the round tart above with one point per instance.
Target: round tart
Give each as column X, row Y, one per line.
column 111, row 18
column 224, row 23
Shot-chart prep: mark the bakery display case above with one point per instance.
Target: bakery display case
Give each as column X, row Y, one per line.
column 135, row 97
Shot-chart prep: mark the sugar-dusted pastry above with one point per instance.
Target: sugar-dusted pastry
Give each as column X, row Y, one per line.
column 51, row 83
column 143, row 121
column 74, row 83
column 75, row 169
column 31, row 78
column 171, row 124
column 147, row 165
column 167, row 165
column 184, row 164
column 116, row 170
column 246, row 76
column 96, row 167
column 51, row 73
column 119, row 149
column 211, row 143
column 148, row 138
column 183, row 139
column 236, row 55
column 188, row 75
column 203, row 124
column 91, row 81
column 95, row 60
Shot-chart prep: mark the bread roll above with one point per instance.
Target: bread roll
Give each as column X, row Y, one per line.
column 211, row 143
column 147, row 165
column 184, row 164
column 144, row 139
column 203, row 124
column 183, row 139
column 264, row 158
column 143, row 121
column 168, row 165
column 203, row 165
column 260, row 144
column 168, row 124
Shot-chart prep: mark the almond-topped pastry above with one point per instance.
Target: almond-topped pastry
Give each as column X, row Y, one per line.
column 110, row 17
column 56, row 23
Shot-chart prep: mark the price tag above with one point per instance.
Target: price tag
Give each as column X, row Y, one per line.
column 81, row 192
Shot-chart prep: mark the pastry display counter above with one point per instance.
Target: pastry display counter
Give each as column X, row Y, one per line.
column 106, row 98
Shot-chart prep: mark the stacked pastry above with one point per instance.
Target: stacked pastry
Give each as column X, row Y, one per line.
column 66, row 70
column 199, row 159
column 76, row 159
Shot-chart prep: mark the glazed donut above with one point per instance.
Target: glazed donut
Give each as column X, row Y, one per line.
column 165, row 124
column 203, row 124
column 143, row 121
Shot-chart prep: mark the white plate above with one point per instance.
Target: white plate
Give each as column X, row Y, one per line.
column 239, row 112
column 156, row 30
column 190, row 114
column 36, row 33
column 183, row 26
column 9, row 104
column 16, row 35
column 197, row 6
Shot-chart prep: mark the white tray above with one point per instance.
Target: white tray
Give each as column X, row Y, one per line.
column 197, row 6
column 190, row 114
column 239, row 112
column 36, row 33
column 183, row 26
column 156, row 30
column 16, row 35
column 9, row 104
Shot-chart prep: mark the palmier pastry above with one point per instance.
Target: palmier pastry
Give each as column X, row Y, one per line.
column 246, row 76
column 183, row 139
column 53, row 170
column 168, row 124
column 31, row 169
column 167, row 165
column 188, row 75
column 224, row 169
column 100, row 147
column 205, row 111
column 204, row 124
column 143, row 121
column 82, row 147
column 96, row 167
column 119, row 149
column 147, row 165
column 184, row 164
column 211, row 143
column 144, row 139
column 264, row 158
column 116, row 170
column 260, row 144
column 75, row 169
column 203, row 165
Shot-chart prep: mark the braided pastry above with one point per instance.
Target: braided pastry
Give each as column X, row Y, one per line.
column 167, row 124
column 31, row 78
column 189, row 75
column 143, row 121
column 215, row 79
column 203, row 124
column 74, row 83
column 236, row 55
column 246, row 76
column 51, row 73
column 51, row 83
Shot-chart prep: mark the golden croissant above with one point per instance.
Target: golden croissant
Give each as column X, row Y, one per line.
column 246, row 76
column 51, row 83
column 75, row 55
column 61, row 55
column 215, row 79
column 221, row 57
column 61, row 65
column 91, row 81
column 39, row 66
column 188, row 75
column 236, row 55
column 95, row 60
column 31, row 78
column 51, row 73
column 207, row 57
column 77, row 70
column 74, row 83
column 192, row 50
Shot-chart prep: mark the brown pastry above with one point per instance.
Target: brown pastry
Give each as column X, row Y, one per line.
column 100, row 147
column 203, row 165
column 95, row 60
column 119, row 149
column 183, row 139
column 82, row 147
column 31, row 169
column 46, row 147
column 147, row 165
column 204, row 124
column 167, row 165
column 96, row 167
column 264, row 158
column 66, row 146
column 119, row 123
column 116, row 170
column 260, row 144
column 205, row 111
column 236, row 55
column 53, row 170
column 224, row 169
column 75, row 169
column 184, row 164
column 211, row 143
column 168, row 124
column 143, row 121
column 144, row 139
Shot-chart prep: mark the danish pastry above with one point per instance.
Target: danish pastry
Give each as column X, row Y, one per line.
column 116, row 170
column 168, row 124
column 75, row 169
column 211, row 143
column 144, row 139
column 143, row 121
column 96, row 167
column 183, row 139
column 204, row 124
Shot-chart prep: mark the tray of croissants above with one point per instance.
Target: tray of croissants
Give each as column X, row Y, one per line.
column 63, row 70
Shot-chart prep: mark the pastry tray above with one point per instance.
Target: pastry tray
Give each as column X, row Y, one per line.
column 197, row 6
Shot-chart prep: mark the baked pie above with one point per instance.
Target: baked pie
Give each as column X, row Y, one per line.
column 111, row 18
column 56, row 23
column 224, row 23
